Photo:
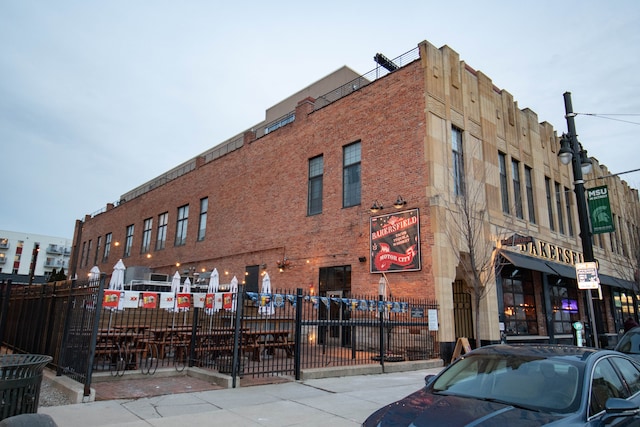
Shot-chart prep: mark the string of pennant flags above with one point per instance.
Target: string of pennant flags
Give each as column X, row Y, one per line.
column 279, row 300
column 225, row 300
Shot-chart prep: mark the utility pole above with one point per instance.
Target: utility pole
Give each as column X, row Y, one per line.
column 581, row 201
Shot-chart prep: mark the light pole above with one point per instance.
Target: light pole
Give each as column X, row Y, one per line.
column 571, row 151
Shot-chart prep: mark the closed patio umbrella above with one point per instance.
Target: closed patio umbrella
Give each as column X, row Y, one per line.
column 266, row 304
column 117, row 278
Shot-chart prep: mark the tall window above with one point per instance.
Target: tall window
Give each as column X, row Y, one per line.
column 567, row 203
column 86, row 261
column 517, row 187
column 504, row 190
column 128, row 241
column 314, row 198
column 95, row 258
column 559, row 207
column 458, row 161
column 613, row 238
column 146, row 235
column 564, row 300
column 519, row 302
column 547, row 187
column 202, row 225
column 181, row 225
column 623, row 243
column 107, row 247
column 528, row 182
column 351, row 184
column 161, row 238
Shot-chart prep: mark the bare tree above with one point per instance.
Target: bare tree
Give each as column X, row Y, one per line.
column 467, row 228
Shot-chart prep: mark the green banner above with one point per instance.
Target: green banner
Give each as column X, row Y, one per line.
column 600, row 210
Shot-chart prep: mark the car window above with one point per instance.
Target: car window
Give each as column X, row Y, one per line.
column 630, row 373
column 605, row 383
column 629, row 343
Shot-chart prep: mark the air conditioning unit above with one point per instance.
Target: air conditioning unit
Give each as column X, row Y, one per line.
column 155, row 277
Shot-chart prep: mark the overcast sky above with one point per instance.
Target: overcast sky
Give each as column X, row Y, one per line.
column 98, row 97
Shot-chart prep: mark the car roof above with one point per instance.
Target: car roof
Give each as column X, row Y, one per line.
column 547, row 351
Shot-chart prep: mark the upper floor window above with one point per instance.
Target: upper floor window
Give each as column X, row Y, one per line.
column 547, row 187
column 128, row 241
column 504, row 190
column 458, row 161
column 202, row 226
column 528, row 182
column 559, row 207
column 181, row 225
column 351, row 184
column 107, row 247
column 95, row 258
column 314, row 198
column 517, row 187
column 146, row 235
column 86, row 260
column 161, row 238
column 567, row 203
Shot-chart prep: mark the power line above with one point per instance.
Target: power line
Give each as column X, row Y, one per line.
column 604, row 116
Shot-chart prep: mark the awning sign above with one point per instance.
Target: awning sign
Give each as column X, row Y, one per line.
column 600, row 210
column 587, row 275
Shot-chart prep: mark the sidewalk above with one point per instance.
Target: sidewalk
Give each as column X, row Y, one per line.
column 338, row 401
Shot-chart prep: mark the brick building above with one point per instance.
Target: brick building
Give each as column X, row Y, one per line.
column 294, row 193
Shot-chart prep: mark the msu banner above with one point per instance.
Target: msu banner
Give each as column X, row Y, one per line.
column 395, row 242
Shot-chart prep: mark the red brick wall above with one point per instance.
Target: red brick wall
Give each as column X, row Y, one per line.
column 258, row 196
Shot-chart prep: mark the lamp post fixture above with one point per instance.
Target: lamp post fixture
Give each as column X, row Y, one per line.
column 571, row 151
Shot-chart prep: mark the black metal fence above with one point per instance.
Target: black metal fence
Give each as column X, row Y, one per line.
column 276, row 334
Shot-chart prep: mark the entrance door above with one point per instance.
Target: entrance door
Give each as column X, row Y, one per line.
column 462, row 312
column 334, row 313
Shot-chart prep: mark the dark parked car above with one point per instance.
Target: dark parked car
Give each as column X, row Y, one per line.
column 524, row 385
column 630, row 343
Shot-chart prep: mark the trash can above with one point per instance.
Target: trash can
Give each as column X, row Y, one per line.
column 20, row 380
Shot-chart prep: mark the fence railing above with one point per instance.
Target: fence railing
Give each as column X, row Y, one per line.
column 243, row 333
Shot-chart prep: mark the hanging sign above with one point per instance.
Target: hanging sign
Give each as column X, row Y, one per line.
column 395, row 242
column 587, row 275
column 600, row 210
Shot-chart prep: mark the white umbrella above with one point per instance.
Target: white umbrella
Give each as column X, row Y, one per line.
column 234, row 289
column 214, row 284
column 266, row 289
column 117, row 278
column 175, row 287
column 186, row 286
column 116, row 283
column 94, row 273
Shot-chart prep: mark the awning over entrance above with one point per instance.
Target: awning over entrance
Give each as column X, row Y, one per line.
column 615, row 282
column 549, row 267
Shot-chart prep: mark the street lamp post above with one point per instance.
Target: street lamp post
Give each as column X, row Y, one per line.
column 571, row 151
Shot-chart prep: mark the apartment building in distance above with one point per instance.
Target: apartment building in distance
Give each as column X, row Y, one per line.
column 28, row 258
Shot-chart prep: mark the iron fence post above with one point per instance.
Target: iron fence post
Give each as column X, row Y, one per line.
column 94, row 335
column 5, row 310
column 381, row 327
column 298, row 335
column 236, row 336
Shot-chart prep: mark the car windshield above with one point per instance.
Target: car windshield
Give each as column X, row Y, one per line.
column 630, row 342
column 547, row 385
